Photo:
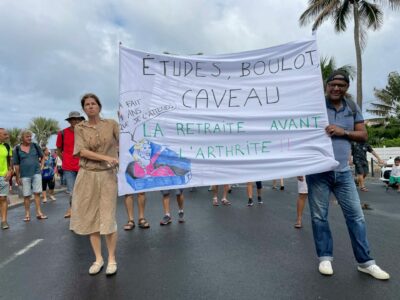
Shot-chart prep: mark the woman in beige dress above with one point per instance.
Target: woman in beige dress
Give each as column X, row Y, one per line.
column 95, row 191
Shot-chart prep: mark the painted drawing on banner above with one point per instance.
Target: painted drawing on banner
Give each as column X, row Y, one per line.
column 155, row 165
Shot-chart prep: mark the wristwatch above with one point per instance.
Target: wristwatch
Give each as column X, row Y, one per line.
column 346, row 134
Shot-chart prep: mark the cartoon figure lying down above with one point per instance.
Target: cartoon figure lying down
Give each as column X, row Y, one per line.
column 156, row 163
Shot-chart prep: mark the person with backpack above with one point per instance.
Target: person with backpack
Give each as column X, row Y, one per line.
column 65, row 149
column 27, row 157
column 359, row 154
column 47, row 166
column 5, row 175
column 345, row 125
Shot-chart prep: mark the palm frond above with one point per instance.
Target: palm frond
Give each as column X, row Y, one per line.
column 380, row 106
column 384, row 96
column 371, row 15
column 342, row 16
column 315, row 7
column 388, row 99
column 13, row 134
column 328, row 65
column 328, row 11
column 377, row 112
column 393, row 4
column 43, row 128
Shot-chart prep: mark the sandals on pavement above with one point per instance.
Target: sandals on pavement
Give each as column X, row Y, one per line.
column 111, row 269
column 143, row 223
column 225, row 201
column 366, row 206
column 364, row 189
column 215, row 201
column 41, row 217
column 27, row 219
column 298, row 225
column 96, row 267
column 68, row 214
column 4, row 225
column 130, row 225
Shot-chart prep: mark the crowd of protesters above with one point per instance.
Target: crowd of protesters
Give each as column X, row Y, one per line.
column 88, row 149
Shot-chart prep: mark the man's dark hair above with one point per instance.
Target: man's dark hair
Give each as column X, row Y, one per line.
column 341, row 74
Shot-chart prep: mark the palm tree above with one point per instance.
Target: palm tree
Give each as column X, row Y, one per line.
column 13, row 134
column 388, row 104
column 43, row 128
column 366, row 15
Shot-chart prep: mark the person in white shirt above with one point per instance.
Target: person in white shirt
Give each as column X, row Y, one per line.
column 395, row 174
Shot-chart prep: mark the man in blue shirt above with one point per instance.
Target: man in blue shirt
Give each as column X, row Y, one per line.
column 27, row 157
column 345, row 125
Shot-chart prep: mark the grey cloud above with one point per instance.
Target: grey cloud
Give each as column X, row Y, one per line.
column 55, row 51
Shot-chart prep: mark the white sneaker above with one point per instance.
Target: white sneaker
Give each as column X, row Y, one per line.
column 375, row 271
column 52, row 198
column 325, row 267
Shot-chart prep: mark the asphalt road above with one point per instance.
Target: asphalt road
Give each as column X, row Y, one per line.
column 221, row 252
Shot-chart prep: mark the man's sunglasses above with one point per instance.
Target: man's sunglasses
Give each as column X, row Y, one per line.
column 339, row 85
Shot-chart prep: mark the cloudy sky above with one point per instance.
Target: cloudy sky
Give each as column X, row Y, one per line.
column 52, row 52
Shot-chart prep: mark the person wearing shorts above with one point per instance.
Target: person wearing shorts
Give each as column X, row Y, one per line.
column 60, row 171
column 27, row 157
column 224, row 199
column 48, row 181
column 250, row 193
column 180, row 200
column 65, row 148
column 394, row 179
column 359, row 153
column 274, row 183
column 141, row 200
column 301, row 200
column 5, row 175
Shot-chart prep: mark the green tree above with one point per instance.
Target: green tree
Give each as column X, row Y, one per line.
column 43, row 129
column 14, row 135
column 388, row 99
column 386, row 134
column 366, row 15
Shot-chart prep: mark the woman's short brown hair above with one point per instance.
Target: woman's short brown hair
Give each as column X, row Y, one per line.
column 90, row 95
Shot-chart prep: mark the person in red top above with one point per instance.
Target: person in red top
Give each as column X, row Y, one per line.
column 65, row 149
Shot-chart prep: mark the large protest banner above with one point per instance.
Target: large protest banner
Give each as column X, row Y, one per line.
column 203, row 120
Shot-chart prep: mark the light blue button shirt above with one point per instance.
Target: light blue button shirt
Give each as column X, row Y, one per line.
column 345, row 119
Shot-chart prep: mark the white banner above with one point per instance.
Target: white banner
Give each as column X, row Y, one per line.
column 203, row 120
